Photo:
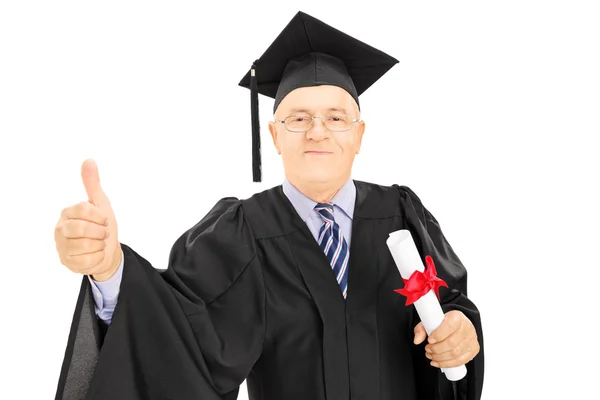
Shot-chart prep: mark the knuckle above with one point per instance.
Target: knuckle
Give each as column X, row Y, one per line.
column 471, row 338
column 84, row 209
column 59, row 226
column 58, row 235
column 102, row 234
column 455, row 319
column 82, row 229
column 66, row 228
column 452, row 342
column 87, row 245
column 74, row 261
column 63, row 213
column 79, row 207
column 465, row 358
column 456, row 352
column 68, row 262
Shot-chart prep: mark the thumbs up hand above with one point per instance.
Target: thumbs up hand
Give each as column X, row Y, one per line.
column 86, row 234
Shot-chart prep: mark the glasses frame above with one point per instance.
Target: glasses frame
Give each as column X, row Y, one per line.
column 312, row 122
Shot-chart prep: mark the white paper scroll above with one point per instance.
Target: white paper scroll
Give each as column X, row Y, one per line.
column 407, row 259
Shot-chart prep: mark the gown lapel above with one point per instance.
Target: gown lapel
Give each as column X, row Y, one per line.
column 361, row 302
column 350, row 345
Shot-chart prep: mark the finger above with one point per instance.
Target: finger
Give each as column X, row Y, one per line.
column 85, row 263
column 85, row 211
column 449, row 343
column 84, row 246
column 420, row 333
column 91, row 182
column 461, row 360
column 463, row 347
column 78, row 228
column 449, row 325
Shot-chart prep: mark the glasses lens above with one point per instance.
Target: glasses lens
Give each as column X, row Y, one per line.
column 298, row 123
column 338, row 123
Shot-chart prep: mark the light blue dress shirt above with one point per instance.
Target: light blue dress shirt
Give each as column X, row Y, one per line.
column 106, row 293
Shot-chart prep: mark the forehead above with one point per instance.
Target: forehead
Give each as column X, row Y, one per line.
column 317, row 98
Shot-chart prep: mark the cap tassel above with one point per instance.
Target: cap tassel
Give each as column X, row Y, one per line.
column 256, row 161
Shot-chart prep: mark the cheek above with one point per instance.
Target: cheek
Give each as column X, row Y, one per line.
column 290, row 148
column 348, row 145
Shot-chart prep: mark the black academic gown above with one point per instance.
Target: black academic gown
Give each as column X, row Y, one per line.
column 248, row 294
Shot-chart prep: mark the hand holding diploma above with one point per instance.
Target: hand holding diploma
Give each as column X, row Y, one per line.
column 452, row 337
column 452, row 344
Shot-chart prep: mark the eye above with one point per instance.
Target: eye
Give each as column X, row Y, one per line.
column 298, row 118
column 338, row 119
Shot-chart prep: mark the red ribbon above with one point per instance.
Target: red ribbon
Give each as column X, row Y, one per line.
column 420, row 283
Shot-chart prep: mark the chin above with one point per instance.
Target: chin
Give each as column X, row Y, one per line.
column 318, row 176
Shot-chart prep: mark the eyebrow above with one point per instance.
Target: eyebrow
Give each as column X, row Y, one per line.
column 299, row 110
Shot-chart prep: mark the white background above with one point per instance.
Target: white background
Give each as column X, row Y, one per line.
column 491, row 117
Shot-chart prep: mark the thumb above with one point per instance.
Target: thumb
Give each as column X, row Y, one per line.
column 420, row 333
column 91, row 182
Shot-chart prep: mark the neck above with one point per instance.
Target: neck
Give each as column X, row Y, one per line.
column 321, row 192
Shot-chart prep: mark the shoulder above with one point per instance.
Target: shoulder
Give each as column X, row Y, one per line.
column 226, row 215
column 382, row 201
column 214, row 252
column 271, row 214
column 236, row 222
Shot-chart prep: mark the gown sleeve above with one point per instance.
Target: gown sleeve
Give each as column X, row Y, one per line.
column 430, row 240
column 192, row 331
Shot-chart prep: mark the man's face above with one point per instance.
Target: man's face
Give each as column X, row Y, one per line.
column 318, row 155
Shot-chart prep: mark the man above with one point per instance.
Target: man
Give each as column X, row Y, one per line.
column 292, row 289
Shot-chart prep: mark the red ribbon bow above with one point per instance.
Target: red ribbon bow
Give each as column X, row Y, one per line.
column 420, row 283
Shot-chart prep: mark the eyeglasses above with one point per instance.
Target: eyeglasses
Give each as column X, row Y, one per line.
column 303, row 123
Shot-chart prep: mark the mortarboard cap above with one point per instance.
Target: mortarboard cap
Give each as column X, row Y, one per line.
column 309, row 52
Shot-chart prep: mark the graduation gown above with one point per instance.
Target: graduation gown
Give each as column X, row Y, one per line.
column 249, row 294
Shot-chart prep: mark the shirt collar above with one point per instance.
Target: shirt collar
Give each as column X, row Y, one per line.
column 344, row 199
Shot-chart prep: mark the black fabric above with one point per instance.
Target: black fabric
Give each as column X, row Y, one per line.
column 248, row 294
column 314, row 69
column 309, row 52
column 256, row 156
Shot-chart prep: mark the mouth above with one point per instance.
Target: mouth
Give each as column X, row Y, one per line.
column 318, row 153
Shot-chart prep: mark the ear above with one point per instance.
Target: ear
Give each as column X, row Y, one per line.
column 360, row 131
column 273, row 130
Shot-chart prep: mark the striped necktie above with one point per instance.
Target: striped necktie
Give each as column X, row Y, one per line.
column 334, row 245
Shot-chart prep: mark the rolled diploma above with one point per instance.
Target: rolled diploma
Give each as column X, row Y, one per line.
column 407, row 259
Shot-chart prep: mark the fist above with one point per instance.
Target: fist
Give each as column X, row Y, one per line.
column 86, row 233
column 453, row 343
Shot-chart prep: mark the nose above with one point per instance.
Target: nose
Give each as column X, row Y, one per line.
column 317, row 131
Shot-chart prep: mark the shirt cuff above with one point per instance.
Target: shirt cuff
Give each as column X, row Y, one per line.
column 106, row 293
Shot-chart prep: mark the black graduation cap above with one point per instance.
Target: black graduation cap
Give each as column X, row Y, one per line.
column 309, row 52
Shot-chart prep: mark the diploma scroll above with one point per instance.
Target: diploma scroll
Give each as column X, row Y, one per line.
column 407, row 259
